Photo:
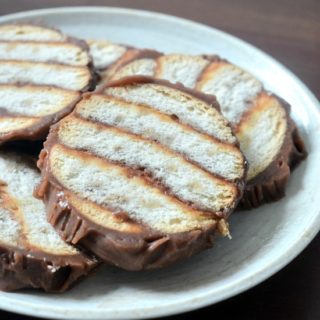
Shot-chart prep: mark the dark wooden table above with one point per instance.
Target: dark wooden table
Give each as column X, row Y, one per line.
column 289, row 30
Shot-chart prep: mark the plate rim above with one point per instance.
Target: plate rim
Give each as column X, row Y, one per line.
column 208, row 298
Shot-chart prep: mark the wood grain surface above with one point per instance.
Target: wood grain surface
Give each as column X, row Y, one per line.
column 289, row 30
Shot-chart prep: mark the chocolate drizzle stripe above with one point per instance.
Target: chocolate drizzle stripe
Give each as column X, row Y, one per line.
column 37, row 86
column 91, row 77
column 214, row 63
column 211, row 59
column 131, row 55
column 164, row 148
column 141, row 54
column 145, row 181
column 48, row 45
column 210, row 100
column 208, row 60
column 101, row 70
column 45, row 64
column 5, row 110
column 155, row 112
column 146, row 174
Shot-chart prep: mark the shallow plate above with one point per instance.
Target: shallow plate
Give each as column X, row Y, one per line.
column 264, row 240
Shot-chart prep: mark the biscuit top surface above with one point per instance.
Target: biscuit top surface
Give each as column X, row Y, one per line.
column 152, row 151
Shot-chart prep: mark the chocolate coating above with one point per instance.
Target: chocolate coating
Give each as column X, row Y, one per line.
column 134, row 252
column 139, row 79
column 31, row 269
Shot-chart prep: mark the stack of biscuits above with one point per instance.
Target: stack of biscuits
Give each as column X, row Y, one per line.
column 113, row 155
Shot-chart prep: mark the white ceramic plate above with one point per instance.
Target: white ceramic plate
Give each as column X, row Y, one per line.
column 264, row 240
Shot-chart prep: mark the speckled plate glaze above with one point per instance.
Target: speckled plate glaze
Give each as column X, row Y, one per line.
column 264, row 240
